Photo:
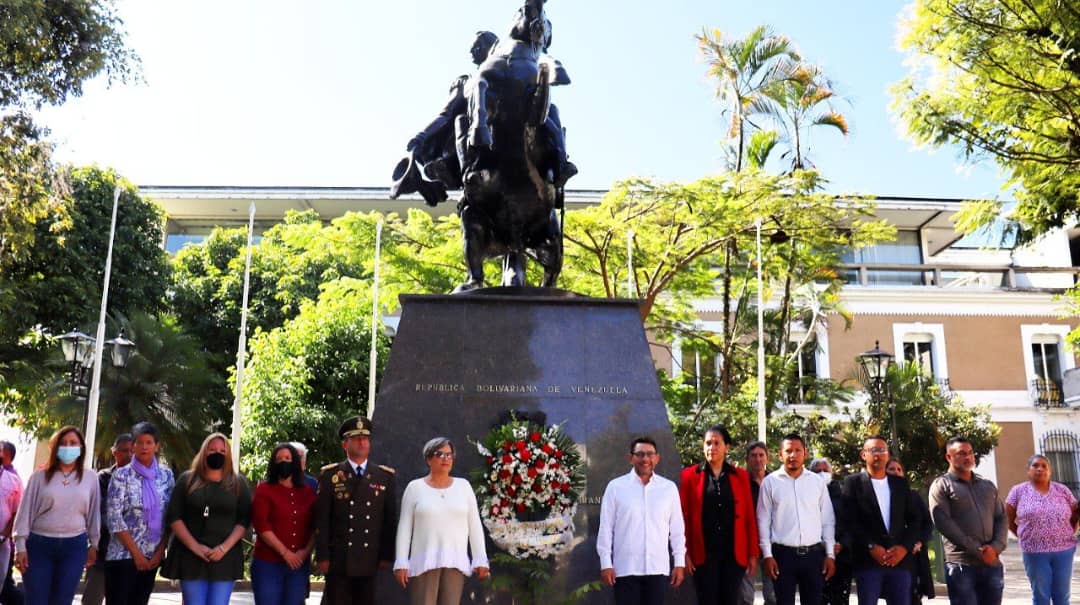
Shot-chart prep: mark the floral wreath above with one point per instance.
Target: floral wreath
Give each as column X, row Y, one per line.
column 529, row 487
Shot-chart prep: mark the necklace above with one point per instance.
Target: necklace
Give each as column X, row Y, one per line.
column 66, row 477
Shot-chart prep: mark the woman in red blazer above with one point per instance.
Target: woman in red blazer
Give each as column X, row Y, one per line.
column 721, row 524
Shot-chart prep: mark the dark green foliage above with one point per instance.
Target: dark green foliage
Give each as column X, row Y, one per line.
column 925, row 419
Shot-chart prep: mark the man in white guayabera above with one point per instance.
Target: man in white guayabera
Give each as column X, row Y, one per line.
column 640, row 520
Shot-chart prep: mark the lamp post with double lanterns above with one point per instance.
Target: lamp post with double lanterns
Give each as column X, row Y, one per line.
column 874, row 372
column 79, row 354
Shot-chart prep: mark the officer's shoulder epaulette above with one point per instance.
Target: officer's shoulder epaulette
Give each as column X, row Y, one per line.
column 388, row 469
column 328, row 467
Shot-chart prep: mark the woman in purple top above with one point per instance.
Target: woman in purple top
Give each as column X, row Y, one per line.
column 1043, row 514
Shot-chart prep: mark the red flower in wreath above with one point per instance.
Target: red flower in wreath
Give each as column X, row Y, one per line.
column 534, row 437
column 531, row 473
column 525, row 455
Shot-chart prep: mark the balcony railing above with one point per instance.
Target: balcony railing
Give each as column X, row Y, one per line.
column 950, row 276
column 1047, row 394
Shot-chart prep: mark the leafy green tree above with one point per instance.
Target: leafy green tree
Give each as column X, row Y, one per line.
column 1000, row 79
column 48, row 50
column 57, row 287
column 304, row 377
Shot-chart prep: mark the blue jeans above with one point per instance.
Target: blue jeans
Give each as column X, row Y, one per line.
column 892, row 583
column 1049, row 574
column 275, row 584
column 205, row 592
column 974, row 584
column 55, row 567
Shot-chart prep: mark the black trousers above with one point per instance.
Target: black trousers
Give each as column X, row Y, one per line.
column 640, row 590
column 348, row 590
column 125, row 585
column 718, row 581
column 799, row 569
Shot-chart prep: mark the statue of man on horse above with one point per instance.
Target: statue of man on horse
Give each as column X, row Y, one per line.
column 500, row 140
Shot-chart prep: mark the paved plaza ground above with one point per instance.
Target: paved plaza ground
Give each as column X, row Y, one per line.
column 1017, row 591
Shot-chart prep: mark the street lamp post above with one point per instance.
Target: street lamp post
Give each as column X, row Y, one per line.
column 79, row 353
column 874, row 365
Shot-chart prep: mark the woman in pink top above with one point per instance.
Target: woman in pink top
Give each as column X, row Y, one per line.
column 1043, row 515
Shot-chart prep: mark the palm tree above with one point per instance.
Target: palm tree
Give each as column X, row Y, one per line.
column 802, row 100
column 744, row 69
column 166, row 382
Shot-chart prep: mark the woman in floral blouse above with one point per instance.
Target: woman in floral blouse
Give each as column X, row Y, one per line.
column 138, row 494
column 1043, row 515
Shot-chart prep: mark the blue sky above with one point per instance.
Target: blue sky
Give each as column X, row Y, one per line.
column 327, row 92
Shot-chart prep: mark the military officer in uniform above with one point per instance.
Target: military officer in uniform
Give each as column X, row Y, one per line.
column 355, row 519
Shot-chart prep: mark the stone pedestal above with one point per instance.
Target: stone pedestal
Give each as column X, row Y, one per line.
column 459, row 363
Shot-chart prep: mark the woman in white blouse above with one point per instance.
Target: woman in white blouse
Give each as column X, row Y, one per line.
column 439, row 529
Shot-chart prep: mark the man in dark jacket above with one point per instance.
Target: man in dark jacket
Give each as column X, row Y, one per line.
column 94, row 590
column 356, row 517
column 883, row 528
column 838, row 587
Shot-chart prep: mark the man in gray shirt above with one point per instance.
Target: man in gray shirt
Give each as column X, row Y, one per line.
column 971, row 518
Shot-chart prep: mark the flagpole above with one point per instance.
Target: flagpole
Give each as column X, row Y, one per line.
column 761, row 340
column 376, row 321
column 99, row 343
column 241, row 350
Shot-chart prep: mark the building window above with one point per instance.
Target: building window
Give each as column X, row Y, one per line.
column 1045, row 361
column 1062, row 449
column 905, row 250
column 924, row 346
column 806, row 377
column 919, row 351
column 700, row 370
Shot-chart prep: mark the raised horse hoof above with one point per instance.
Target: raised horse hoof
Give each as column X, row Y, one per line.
column 468, row 287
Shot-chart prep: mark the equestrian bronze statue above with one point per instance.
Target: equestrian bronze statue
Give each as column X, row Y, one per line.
column 500, row 141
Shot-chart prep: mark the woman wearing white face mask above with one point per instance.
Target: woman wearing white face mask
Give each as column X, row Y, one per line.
column 58, row 523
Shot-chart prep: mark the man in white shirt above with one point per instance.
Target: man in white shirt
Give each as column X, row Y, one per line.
column 640, row 520
column 796, row 527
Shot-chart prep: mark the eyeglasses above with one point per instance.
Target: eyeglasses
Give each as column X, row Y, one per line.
column 645, row 454
column 878, row 450
column 963, row 453
column 444, row 455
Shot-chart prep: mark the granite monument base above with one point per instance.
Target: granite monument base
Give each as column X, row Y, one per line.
column 460, row 363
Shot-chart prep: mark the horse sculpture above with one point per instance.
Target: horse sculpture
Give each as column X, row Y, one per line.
column 506, row 152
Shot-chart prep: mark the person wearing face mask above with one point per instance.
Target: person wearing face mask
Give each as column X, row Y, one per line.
column 59, row 522
column 135, row 505
column 208, row 513
column 838, row 587
column 282, row 515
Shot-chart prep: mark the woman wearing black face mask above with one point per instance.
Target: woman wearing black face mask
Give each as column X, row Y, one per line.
column 284, row 526
column 209, row 512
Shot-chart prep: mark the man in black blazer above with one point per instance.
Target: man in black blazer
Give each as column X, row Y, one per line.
column 882, row 528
